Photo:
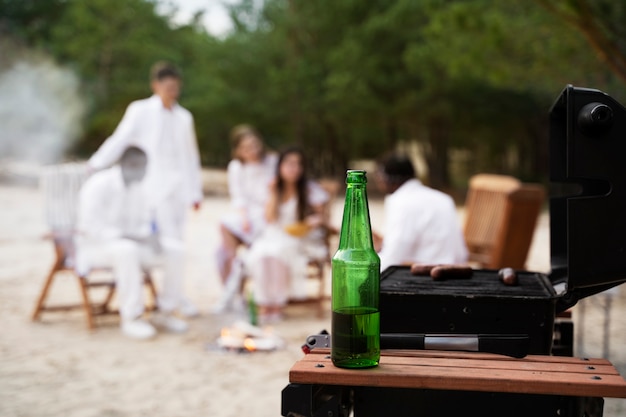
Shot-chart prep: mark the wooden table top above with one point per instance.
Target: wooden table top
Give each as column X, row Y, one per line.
column 466, row 371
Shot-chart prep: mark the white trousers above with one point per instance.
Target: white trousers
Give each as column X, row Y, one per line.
column 171, row 215
column 129, row 259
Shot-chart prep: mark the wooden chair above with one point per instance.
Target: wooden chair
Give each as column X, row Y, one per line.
column 62, row 264
column 61, row 185
column 316, row 272
column 501, row 214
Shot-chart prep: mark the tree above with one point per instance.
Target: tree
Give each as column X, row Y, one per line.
column 601, row 22
column 30, row 20
column 112, row 44
column 491, row 70
column 345, row 79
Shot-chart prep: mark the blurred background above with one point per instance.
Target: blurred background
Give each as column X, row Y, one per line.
column 463, row 85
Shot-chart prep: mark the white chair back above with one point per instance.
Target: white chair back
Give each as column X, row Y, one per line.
column 60, row 185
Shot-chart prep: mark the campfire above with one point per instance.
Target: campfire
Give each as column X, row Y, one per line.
column 244, row 337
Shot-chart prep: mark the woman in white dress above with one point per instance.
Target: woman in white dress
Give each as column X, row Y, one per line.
column 250, row 174
column 278, row 258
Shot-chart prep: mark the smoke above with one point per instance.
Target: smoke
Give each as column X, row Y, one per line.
column 41, row 110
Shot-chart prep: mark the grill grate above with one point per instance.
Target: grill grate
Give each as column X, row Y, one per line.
column 484, row 283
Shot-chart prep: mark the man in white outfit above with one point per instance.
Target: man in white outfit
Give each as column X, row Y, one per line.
column 115, row 230
column 421, row 224
column 165, row 130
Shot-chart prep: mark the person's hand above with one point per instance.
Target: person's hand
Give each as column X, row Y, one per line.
column 313, row 220
column 378, row 241
column 245, row 224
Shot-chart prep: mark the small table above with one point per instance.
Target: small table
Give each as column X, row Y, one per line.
column 434, row 383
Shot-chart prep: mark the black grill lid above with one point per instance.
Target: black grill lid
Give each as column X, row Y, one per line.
column 588, row 212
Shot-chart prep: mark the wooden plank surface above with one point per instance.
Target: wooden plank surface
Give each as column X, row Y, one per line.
column 465, row 371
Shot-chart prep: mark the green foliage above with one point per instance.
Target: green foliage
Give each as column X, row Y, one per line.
column 345, row 79
column 601, row 22
column 30, row 20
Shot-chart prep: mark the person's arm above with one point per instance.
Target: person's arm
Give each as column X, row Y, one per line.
column 194, row 166
column 317, row 198
column 271, row 206
column 236, row 192
column 234, row 173
column 112, row 148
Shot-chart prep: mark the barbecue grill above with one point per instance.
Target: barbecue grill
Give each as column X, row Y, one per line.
column 587, row 240
column 479, row 305
column 587, row 254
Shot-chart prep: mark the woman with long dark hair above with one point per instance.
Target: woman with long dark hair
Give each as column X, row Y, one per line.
column 278, row 257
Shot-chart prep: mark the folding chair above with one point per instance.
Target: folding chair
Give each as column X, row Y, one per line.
column 61, row 186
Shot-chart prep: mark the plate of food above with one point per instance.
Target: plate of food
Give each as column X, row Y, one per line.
column 297, row 229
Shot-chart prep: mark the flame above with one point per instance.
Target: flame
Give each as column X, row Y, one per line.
column 249, row 344
column 247, row 339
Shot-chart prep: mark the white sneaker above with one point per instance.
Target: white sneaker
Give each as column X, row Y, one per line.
column 187, row 309
column 137, row 329
column 169, row 323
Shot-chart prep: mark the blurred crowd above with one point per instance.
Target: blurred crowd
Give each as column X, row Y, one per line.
column 145, row 178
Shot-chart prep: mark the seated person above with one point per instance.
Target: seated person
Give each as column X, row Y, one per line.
column 249, row 176
column 421, row 224
column 278, row 258
column 116, row 230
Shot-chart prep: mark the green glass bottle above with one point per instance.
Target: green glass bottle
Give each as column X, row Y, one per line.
column 252, row 310
column 355, row 339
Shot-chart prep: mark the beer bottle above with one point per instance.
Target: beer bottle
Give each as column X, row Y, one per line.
column 355, row 338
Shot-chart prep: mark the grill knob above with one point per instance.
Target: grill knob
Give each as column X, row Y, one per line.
column 595, row 119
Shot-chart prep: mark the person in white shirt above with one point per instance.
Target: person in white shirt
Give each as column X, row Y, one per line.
column 421, row 223
column 250, row 173
column 166, row 132
column 116, row 230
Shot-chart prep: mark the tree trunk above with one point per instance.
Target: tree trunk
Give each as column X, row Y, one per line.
column 393, row 135
column 334, row 161
column 437, row 154
column 293, row 57
column 599, row 31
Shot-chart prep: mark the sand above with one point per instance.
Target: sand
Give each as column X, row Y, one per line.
column 56, row 367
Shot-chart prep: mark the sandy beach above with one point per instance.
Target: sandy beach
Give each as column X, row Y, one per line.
column 56, row 367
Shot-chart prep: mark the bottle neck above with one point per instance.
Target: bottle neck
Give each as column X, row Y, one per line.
column 356, row 231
